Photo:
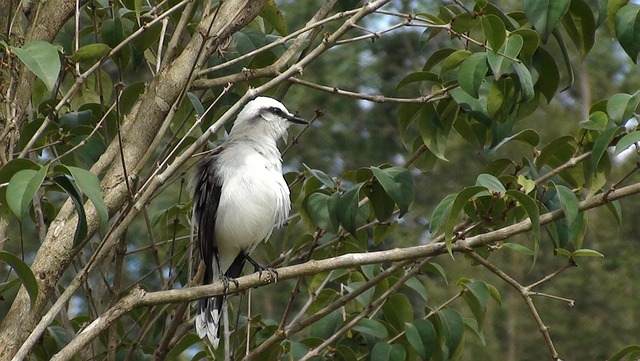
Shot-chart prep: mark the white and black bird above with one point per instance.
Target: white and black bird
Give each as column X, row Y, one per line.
column 239, row 197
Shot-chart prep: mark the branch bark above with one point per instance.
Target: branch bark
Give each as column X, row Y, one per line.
column 139, row 298
column 139, row 130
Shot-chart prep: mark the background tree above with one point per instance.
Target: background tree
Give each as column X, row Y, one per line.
column 462, row 155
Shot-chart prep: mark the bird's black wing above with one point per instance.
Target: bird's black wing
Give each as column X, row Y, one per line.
column 206, row 189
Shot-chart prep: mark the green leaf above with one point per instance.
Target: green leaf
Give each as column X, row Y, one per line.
column 472, row 72
column 272, row 15
column 197, row 105
column 463, row 22
column 383, row 351
column 525, row 80
column 612, row 7
column 89, row 184
column 419, row 76
column 518, row 248
column 501, row 62
column 413, row 336
column 73, row 192
column 616, row 210
column 24, row 274
column 42, row 59
column 627, row 141
column 584, row 252
column 627, row 351
column 186, row 342
column 22, row 188
column 372, row 328
column 321, row 176
column 451, row 328
column 597, row 121
column 398, row 310
column 494, row 31
column 453, row 60
column 601, row 144
column 621, row 107
column 428, row 336
column 528, row 136
column 545, row 14
column 549, row 76
column 437, row 57
column 433, row 132
column 460, row 201
column 90, row 52
column 347, row 208
column 627, row 22
column 530, row 206
column 317, row 206
column 477, row 297
column 568, row 203
column 441, row 213
column 580, row 24
column 531, row 43
column 398, row 184
column 470, row 105
column 492, row 183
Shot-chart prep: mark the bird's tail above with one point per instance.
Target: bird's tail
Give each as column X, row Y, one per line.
column 208, row 319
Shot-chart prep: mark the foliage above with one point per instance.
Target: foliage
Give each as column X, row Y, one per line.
column 102, row 116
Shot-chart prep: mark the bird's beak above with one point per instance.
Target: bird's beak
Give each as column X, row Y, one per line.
column 297, row 120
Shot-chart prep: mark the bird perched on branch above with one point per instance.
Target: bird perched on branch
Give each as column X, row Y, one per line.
column 239, row 197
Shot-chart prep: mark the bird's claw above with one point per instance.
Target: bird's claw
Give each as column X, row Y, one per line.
column 273, row 273
column 226, row 281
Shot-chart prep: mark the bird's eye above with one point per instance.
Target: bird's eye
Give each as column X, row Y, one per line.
column 277, row 111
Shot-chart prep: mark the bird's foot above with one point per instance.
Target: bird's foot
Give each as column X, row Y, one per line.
column 226, row 281
column 273, row 274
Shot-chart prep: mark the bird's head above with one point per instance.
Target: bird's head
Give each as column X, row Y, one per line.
column 265, row 116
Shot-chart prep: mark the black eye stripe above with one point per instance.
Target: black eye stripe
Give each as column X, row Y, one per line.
column 277, row 111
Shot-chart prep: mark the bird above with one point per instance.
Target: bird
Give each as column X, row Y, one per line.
column 239, row 196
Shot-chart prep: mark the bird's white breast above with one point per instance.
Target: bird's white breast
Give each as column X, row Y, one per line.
column 254, row 199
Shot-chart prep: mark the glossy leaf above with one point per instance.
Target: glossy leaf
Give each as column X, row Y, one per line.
column 612, row 7
column 398, row 310
column 453, row 60
column 627, row 141
column 24, row 274
column 437, row 57
column 441, row 213
column 501, row 62
column 413, row 336
column 22, row 188
column 494, row 30
column 90, row 52
column 545, row 14
column 383, row 351
column 273, row 16
column 531, row 43
column 525, row 81
column 549, row 80
column 428, row 335
column 601, row 144
column 458, row 204
column 631, row 351
column 451, row 328
column 518, row 248
column 42, row 59
column 470, row 105
column 195, row 102
column 492, row 183
column 419, row 76
column 568, row 202
column 472, row 72
column 398, row 183
column 597, row 121
column 89, row 184
column 528, row 137
column 477, row 297
column 580, row 24
column 621, row 107
column 583, row 252
column 372, row 328
column 69, row 187
column 347, row 208
column 627, row 22
column 533, row 212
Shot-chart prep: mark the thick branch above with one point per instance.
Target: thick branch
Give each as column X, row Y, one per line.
column 139, row 298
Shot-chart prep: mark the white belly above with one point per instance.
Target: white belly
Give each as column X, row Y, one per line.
column 252, row 202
